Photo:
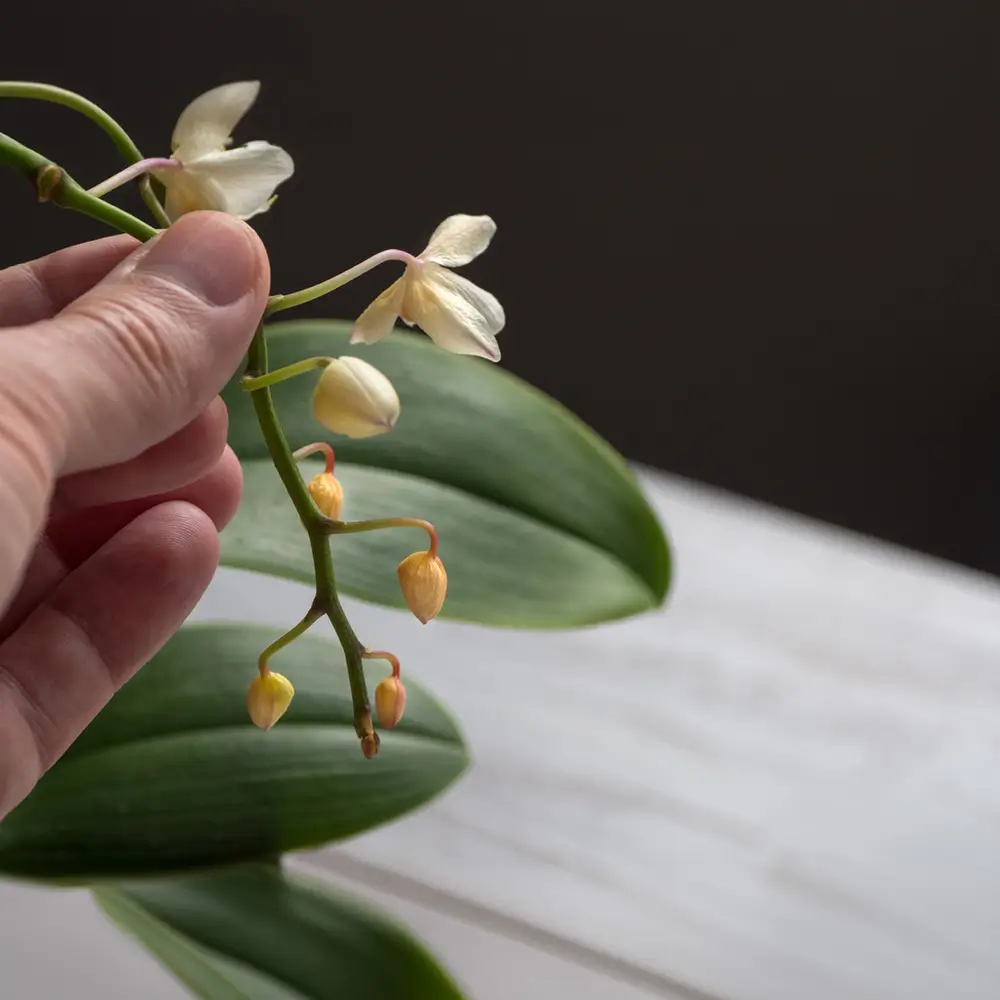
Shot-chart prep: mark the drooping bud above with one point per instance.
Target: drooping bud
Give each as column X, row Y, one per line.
column 390, row 701
column 424, row 583
column 354, row 398
column 327, row 494
column 268, row 699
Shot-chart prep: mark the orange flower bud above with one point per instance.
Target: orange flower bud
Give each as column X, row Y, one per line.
column 424, row 583
column 327, row 494
column 390, row 700
column 268, row 699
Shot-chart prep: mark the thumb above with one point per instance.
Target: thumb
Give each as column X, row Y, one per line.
column 142, row 353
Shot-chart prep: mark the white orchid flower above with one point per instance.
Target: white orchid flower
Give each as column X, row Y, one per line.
column 202, row 173
column 456, row 314
column 238, row 181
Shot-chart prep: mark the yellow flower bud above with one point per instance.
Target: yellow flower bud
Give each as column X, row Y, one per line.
column 354, row 398
column 327, row 494
column 268, row 699
column 390, row 700
column 424, row 583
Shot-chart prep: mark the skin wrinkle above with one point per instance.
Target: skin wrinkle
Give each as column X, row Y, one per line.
column 128, row 344
column 183, row 458
column 74, row 536
column 46, row 568
column 131, row 340
column 25, row 491
column 185, row 540
column 36, row 292
column 31, row 406
column 16, row 782
column 26, row 451
column 41, row 725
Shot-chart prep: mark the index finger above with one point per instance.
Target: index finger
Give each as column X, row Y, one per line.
column 41, row 288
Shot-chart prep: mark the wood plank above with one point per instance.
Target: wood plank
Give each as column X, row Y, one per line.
column 57, row 943
column 784, row 785
column 489, row 964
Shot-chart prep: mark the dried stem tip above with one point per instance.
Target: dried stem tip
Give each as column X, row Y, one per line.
column 369, row 745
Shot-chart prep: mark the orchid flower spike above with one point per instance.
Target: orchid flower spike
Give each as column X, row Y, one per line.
column 456, row 314
column 207, row 175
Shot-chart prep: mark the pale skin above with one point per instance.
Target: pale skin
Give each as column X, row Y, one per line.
column 115, row 476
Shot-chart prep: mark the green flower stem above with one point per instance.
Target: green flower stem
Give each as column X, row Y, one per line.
column 56, row 95
column 332, row 527
column 118, row 135
column 52, row 183
column 153, row 203
column 276, row 303
column 352, row 645
column 327, row 601
column 312, row 615
column 280, row 374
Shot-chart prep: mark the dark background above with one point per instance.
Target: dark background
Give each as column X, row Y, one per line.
column 752, row 243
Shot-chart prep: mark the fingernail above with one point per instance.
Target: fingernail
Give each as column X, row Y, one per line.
column 209, row 254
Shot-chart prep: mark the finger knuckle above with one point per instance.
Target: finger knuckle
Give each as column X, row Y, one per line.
column 137, row 338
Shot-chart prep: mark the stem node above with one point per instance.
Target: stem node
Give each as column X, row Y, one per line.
column 47, row 180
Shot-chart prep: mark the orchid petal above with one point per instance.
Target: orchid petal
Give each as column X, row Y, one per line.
column 186, row 194
column 377, row 320
column 240, row 181
column 459, row 239
column 456, row 314
column 207, row 123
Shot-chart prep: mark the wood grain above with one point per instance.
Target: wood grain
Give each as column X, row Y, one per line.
column 785, row 785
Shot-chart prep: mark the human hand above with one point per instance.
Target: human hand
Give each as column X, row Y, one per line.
column 114, row 472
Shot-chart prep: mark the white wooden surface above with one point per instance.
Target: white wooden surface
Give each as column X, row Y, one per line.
column 57, row 945
column 784, row 786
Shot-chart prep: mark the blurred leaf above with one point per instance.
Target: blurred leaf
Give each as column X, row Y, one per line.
column 254, row 933
column 542, row 525
column 173, row 775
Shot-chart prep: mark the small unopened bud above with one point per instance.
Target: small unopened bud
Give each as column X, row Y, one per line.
column 424, row 583
column 354, row 398
column 327, row 494
column 369, row 745
column 390, row 701
column 268, row 699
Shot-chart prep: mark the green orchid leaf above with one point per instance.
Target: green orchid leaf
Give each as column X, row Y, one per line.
column 542, row 524
column 173, row 775
column 255, row 933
